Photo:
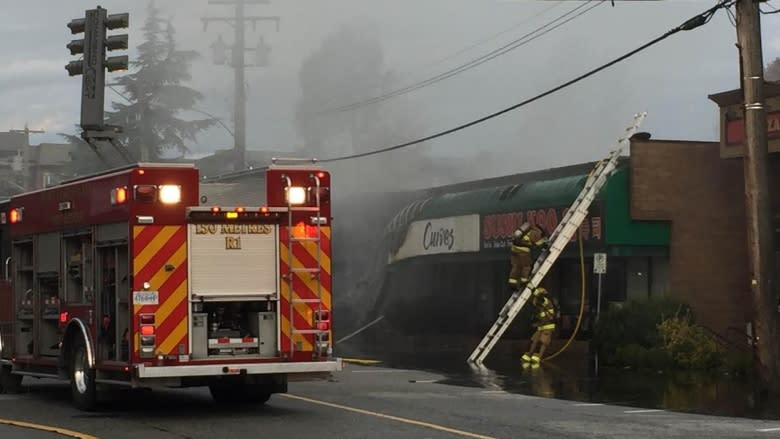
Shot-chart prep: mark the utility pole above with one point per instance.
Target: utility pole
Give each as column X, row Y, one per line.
column 759, row 222
column 238, row 63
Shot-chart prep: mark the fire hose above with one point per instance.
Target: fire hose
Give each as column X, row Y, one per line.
column 582, row 302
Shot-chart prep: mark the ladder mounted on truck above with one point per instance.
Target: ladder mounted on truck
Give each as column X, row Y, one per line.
column 560, row 237
column 313, row 272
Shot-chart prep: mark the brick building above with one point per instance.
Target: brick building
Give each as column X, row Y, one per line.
column 673, row 220
column 699, row 188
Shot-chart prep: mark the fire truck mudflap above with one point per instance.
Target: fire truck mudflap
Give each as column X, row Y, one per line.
column 303, row 368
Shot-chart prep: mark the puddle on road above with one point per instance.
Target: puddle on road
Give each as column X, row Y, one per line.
column 719, row 395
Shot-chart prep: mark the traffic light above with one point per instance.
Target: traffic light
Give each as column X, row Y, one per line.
column 94, row 63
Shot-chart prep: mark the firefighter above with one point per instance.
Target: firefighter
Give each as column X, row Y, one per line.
column 545, row 325
column 525, row 240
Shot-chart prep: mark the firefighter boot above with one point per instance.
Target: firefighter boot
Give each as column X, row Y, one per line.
column 536, row 359
column 526, row 357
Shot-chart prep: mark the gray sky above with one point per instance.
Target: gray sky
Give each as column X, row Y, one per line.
column 671, row 80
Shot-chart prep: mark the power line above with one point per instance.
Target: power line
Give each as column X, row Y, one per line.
column 690, row 24
column 519, row 42
column 492, row 37
column 438, row 61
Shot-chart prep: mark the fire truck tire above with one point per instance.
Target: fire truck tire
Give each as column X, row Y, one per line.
column 256, row 393
column 82, row 379
column 9, row 383
column 231, row 394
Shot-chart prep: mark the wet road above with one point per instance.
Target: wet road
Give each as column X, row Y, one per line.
column 368, row 402
column 574, row 378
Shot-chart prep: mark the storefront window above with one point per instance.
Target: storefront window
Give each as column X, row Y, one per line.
column 660, row 276
column 638, row 278
column 614, row 282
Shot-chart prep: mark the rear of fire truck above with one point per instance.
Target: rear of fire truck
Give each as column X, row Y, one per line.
column 239, row 297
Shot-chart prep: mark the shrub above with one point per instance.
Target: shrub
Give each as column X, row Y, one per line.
column 636, row 322
column 688, row 345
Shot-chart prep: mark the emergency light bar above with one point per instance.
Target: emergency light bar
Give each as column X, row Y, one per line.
column 216, row 213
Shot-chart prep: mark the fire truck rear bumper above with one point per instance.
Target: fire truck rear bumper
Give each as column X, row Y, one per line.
column 236, row 369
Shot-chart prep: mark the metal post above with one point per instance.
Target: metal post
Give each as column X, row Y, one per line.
column 240, row 99
column 598, row 299
column 239, row 65
column 758, row 209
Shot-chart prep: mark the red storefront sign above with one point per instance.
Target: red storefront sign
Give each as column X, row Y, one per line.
column 735, row 129
column 497, row 229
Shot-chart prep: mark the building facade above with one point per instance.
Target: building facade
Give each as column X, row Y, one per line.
column 671, row 220
column 448, row 269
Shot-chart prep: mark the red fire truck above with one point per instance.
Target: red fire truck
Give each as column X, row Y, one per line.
column 123, row 278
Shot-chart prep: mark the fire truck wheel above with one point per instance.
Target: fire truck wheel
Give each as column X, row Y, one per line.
column 82, row 379
column 256, row 393
column 224, row 394
column 9, row 383
column 230, row 394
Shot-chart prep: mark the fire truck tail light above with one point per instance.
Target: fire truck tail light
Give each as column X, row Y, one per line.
column 145, row 192
column 16, row 215
column 118, row 195
column 170, row 193
column 147, row 330
column 147, row 340
column 64, row 317
column 147, row 319
column 296, row 195
column 322, row 318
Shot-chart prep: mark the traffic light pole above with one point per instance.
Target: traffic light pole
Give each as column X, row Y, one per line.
column 93, row 68
column 759, row 230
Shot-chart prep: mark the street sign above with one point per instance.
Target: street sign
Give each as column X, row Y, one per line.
column 599, row 263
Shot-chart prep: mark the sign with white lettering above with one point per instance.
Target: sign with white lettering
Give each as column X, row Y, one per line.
column 441, row 235
column 146, row 298
column 599, row 263
column 238, row 260
column 497, row 228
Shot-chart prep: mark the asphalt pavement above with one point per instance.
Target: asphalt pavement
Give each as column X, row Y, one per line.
column 12, row 432
column 364, row 402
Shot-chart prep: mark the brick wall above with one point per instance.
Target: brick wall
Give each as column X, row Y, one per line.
column 688, row 184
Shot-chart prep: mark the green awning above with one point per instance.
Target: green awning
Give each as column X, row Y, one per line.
column 611, row 206
column 539, row 194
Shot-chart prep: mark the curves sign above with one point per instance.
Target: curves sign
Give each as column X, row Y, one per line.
column 441, row 235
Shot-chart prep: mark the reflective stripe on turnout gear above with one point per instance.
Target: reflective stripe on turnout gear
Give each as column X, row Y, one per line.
column 512, row 281
column 547, row 327
column 539, row 242
column 518, row 249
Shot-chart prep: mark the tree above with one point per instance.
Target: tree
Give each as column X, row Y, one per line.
column 346, row 68
column 154, row 95
column 83, row 158
column 773, row 71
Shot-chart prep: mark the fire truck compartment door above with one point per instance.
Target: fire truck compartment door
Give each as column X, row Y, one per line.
column 233, row 261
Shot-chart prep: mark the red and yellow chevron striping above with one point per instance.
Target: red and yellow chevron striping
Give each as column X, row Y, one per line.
column 160, row 258
column 305, row 286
